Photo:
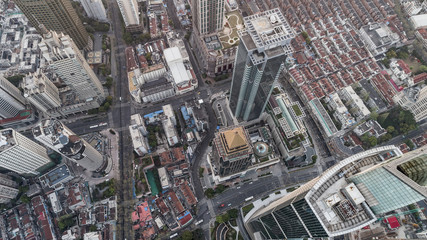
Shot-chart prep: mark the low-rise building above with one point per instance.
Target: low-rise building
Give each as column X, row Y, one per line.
column 418, row 21
column 341, row 112
column 157, row 90
column 379, row 38
column 164, row 181
column 54, row 202
column 181, row 71
column 371, row 127
column 357, row 107
column 138, row 134
column 415, row 100
column 169, row 123
column 56, row 178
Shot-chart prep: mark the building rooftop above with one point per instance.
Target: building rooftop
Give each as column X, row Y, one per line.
column 7, row 139
column 56, row 175
column 59, row 137
column 267, row 35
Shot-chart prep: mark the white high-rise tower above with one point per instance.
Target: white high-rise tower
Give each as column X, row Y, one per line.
column 20, row 154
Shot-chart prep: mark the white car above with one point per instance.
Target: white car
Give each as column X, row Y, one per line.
column 94, row 126
column 103, row 124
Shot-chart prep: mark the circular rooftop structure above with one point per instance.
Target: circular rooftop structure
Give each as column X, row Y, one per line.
column 261, row 149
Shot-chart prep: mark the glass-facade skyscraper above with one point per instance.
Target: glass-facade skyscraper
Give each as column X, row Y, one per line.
column 264, row 45
column 350, row 195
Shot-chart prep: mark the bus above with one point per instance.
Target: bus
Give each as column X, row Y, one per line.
column 249, row 198
column 198, row 222
column 173, row 235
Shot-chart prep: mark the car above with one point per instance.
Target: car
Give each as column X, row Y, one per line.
column 238, row 187
column 103, row 124
column 222, row 205
column 229, row 204
column 251, row 182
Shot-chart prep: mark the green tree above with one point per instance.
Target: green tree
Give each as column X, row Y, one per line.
column 314, row 158
column 373, row 141
column 223, row 218
column 93, row 228
column 233, row 213
column 107, row 105
column 422, row 68
column 220, row 188
column 186, row 235
column 102, row 109
column 374, row 115
column 210, row 193
column 390, row 129
column 127, row 37
column 391, row 54
column 402, row 55
column 109, row 99
column 24, row 198
column 148, row 56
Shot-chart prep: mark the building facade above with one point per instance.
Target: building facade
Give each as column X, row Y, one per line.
column 57, row 136
column 20, row 154
column 95, row 9
column 130, row 13
column 56, row 15
column 345, row 198
column 264, row 45
column 65, row 60
column 232, row 151
column 208, row 15
column 416, row 103
column 11, row 100
column 8, row 189
column 41, row 92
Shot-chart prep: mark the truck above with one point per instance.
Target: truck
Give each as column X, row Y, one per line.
column 249, row 198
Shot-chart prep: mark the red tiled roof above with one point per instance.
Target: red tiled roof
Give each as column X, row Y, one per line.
column 131, row 63
column 404, row 66
column 420, row 78
column 188, row 194
column 176, row 204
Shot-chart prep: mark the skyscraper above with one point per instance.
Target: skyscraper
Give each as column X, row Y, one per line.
column 57, row 136
column 56, row 15
column 264, row 45
column 95, row 9
column 232, row 151
column 20, row 154
column 65, row 59
column 348, row 196
column 208, row 15
column 41, row 92
column 130, row 13
column 8, row 189
column 11, row 99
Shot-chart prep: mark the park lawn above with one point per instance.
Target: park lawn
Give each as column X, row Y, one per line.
column 413, row 63
column 247, row 209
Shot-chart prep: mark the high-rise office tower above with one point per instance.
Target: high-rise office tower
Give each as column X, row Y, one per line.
column 56, row 15
column 20, row 154
column 232, row 151
column 348, row 196
column 41, row 92
column 95, row 9
column 264, row 45
column 130, row 14
column 8, row 189
column 208, row 15
column 11, row 99
column 65, row 59
column 55, row 135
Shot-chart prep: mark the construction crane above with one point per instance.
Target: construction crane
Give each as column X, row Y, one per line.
column 401, row 213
